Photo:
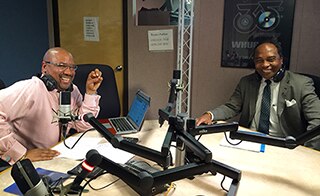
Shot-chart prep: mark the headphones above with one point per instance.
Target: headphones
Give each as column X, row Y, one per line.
column 51, row 83
column 277, row 77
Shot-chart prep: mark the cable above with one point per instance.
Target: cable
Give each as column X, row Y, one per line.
column 64, row 139
column 63, row 130
column 199, row 137
column 221, row 184
column 172, row 186
column 234, row 144
column 181, row 149
column 96, row 189
column 56, row 186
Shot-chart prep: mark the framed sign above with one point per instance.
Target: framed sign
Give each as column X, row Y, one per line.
column 248, row 21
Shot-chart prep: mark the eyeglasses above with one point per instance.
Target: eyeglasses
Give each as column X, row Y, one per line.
column 63, row 66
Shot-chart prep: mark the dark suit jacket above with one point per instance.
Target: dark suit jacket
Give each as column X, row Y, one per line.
column 294, row 120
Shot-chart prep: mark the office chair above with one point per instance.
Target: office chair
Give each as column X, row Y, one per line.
column 316, row 81
column 109, row 101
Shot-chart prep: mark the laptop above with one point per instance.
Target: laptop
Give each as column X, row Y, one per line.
column 131, row 123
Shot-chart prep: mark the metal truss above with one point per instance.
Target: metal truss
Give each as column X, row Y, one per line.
column 184, row 55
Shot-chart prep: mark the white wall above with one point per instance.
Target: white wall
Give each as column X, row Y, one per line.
column 211, row 84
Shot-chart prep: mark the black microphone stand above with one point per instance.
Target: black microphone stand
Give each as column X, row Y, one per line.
column 146, row 183
column 174, row 89
column 289, row 142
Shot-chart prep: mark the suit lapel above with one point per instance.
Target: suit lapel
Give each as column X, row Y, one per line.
column 255, row 85
column 283, row 92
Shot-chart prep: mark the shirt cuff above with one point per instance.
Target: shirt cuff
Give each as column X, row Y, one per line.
column 210, row 113
column 14, row 153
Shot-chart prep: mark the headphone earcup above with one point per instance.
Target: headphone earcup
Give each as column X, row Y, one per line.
column 279, row 75
column 49, row 82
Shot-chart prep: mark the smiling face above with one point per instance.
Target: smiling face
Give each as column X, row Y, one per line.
column 267, row 60
column 59, row 63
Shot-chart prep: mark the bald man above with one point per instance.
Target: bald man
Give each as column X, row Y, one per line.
column 28, row 120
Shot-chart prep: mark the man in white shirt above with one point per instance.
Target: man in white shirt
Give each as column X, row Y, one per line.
column 28, row 121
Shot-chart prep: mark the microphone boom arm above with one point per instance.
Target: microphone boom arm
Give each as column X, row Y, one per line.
column 146, row 183
column 117, row 141
column 152, row 183
column 289, row 142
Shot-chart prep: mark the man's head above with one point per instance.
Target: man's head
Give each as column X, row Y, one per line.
column 59, row 63
column 268, row 58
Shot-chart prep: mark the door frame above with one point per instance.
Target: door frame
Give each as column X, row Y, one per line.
column 56, row 43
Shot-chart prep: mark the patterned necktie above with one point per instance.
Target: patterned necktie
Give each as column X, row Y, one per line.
column 265, row 109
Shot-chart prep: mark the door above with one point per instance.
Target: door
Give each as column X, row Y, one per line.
column 107, row 45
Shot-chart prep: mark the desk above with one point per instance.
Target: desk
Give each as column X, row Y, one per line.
column 277, row 171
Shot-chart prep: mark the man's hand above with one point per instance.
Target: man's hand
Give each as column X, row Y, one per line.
column 39, row 154
column 204, row 119
column 93, row 81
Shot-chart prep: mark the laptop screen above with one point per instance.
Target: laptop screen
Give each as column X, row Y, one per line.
column 138, row 109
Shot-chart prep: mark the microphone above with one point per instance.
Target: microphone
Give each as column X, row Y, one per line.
column 28, row 180
column 64, row 112
column 93, row 158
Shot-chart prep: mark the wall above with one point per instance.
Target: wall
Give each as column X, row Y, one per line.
column 149, row 71
column 306, row 44
column 24, row 39
column 211, row 84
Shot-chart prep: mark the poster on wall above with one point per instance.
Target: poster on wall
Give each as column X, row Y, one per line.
column 248, row 21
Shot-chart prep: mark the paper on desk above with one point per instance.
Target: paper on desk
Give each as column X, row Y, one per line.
column 114, row 154
column 87, row 143
column 244, row 145
column 80, row 149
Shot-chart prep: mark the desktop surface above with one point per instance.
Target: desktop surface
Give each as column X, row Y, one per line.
column 277, row 171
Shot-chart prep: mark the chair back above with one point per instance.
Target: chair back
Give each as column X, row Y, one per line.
column 316, row 81
column 109, row 102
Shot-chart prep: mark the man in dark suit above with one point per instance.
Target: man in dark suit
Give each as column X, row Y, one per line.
column 294, row 106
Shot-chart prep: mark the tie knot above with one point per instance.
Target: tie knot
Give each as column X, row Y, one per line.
column 268, row 82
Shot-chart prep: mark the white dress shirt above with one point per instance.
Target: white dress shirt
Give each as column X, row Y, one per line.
column 274, row 128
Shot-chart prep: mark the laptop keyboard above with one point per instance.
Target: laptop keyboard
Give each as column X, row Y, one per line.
column 121, row 124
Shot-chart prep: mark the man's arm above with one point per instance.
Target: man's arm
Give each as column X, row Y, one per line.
column 226, row 111
column 311, row 109
column 90, row 104
column 91, row 99
column 310, row 104
column 232, row 107
column 10, row 149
